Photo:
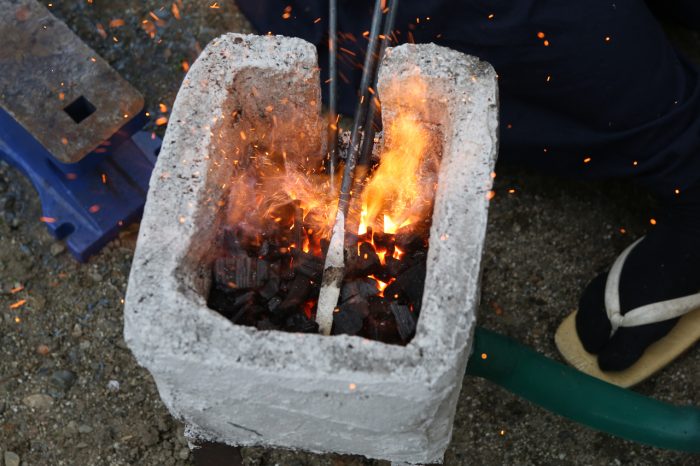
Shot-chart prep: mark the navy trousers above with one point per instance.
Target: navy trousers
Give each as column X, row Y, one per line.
column 588, row 88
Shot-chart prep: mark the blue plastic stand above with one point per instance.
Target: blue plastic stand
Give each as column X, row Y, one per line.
column 86, row 203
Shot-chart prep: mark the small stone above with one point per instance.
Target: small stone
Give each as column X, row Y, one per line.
column 84, row 429
column 113, row 386
column 77, row 331
column 150, row 437
column 57, row 249
column 184, row 453
column 71, row 428
column 38, row 401
column 81, row 445
column 43, row 350
column 96, row 277
column 63, row 379
column 11, row 458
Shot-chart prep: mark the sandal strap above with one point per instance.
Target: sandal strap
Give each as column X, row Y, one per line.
column 643, row 315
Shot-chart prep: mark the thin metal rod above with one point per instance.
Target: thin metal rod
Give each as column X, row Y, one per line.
column 369, row 129
column 364, row 160
column 332, row 90
column 368, row 73
column 334, row 266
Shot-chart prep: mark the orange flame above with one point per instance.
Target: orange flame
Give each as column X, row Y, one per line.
column 399, row 192
column 401, row 187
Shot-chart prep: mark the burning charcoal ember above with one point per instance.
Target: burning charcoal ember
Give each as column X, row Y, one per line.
column 283, row 215
column 298, row 291
column 349, row 318
column 267, row 251
column 244, row 299
column 391, row 269
column 271, row 287
column 308, row 265
column 366, row 263
column 287, row 269
column 261, row 274
column 240, row 272
column 380, row 324
column 385, row 242
column 351, row 239
column 362, row 287
column 273, row 303
column 249, row 314
column 230, row 239
column 220, row 300
column 410, row 260
column 300, row 323
column 405, row 322
column 241, row 238
column 368, row 235
column 410, row 239
column 312, row 219
column 408, row 286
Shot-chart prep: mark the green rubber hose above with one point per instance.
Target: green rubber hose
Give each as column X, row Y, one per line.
column 582, row 398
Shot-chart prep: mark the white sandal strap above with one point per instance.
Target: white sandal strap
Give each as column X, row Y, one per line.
column 648, row 314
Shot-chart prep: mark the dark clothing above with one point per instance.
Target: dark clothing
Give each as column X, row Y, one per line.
column 587, row 88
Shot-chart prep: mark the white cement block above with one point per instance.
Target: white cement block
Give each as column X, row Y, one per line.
column 345, row 394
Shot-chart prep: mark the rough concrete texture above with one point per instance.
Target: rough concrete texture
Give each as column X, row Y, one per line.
column 345, row 394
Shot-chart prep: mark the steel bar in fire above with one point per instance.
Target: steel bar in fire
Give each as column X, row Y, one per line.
column 334, row 267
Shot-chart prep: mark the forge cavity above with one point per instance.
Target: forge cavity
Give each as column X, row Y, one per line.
column 344, row 394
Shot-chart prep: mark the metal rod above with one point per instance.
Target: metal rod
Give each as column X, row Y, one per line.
column 369, row 131
column 334, row 267
column 368, row 74
column 368, row 138
column 332, row 90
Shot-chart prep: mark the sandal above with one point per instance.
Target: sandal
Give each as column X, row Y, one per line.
column 659, row 354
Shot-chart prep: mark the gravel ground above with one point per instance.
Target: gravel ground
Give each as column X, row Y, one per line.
column 72, row 394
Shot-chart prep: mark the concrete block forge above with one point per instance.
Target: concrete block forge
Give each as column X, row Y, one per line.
column 342, row 394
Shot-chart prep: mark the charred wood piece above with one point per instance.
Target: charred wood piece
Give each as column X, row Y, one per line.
column 410, row 239
column 349, row 318
column 240, row 272
column 405, row 322
column 385, row 242
column 363, row 264
column 298, row 290
column 240, row 239
column 308, row 265
column 380, row 324
column 362, row 287
column 391, row 269
column 271, row 287
column 408, row 286
column 300, row 323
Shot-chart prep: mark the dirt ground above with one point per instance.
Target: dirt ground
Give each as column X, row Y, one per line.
column 72, row 394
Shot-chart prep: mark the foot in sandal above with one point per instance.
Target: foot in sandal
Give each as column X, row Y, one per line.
column 651, row 284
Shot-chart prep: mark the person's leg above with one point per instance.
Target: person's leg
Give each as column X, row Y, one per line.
column 606, row 96
column 589, row 89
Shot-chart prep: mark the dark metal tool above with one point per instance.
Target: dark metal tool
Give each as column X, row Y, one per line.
column 71, row 125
